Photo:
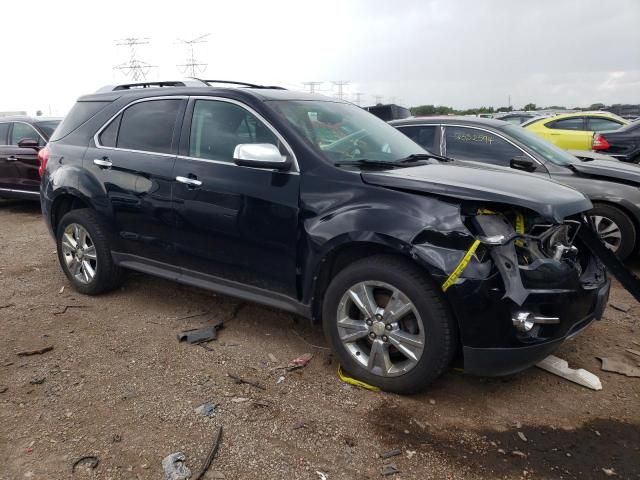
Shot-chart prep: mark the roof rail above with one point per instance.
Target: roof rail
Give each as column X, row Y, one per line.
column 240, row 84
column 191, row 82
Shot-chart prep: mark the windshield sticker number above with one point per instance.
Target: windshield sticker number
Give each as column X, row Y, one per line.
column 473, row 137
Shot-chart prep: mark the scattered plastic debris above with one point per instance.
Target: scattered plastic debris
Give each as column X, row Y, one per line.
column 617, row 366
column 280, row 380
column 90, row 460
column 240, row 399
column 210, row 456
column 621, row 307
column 206, row 409
column 321, row 475
column 356, row 383
column 200, row 335
column 300, row 362
column 560, row 367
column 609, row 472
column 39, row 351
column 411, row 453
column 240, row 380
column 518, row 453
column 389, row 469
column 522, row 436
column 392, row 453
column 175, row 468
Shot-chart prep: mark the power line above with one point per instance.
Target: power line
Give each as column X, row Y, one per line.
column 312, row 86
column 340, row 84
column 135, row 68
column 192, row 67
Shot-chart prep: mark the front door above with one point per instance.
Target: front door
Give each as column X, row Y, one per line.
column 133, row 163
column 233, row 222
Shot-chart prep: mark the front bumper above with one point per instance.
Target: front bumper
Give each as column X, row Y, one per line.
column 491, row 345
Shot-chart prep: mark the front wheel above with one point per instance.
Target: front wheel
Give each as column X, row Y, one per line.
column 389, row 324
column 615, row 228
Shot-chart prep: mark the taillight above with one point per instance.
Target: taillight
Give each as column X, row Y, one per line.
column 43, row 158
column 600, row 143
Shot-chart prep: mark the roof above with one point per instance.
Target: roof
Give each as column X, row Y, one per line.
column 598, row 113
column 488, row 122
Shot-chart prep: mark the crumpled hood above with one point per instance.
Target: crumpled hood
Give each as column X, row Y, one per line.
column 627, row 172
column 551, row 200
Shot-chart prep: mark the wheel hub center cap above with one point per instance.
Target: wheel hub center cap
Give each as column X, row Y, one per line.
column 378, row 328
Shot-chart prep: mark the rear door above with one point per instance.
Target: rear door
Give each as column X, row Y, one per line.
column 570, row 133
column 133, row 160
column 6, row 167
column 236, row 223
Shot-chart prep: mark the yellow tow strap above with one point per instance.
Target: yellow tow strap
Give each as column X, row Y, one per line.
column 520, row 228
column 461, row 266
column 354, row 382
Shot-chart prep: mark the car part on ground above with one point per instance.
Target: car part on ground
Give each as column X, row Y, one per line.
column 613, row 187
column 354, row 209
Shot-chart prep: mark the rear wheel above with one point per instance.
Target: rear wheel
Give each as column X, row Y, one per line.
column 84, row 253
column 615, row 229
column 389, row 324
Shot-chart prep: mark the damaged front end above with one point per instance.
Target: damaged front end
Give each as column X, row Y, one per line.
column 527, row 285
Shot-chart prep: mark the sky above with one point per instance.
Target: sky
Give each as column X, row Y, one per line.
column 459, row 53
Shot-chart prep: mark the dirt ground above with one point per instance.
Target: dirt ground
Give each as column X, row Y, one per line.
column 119, row 386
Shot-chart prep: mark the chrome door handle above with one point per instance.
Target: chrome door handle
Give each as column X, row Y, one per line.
column 12, row 158
column 189, row 181
column 102, row 163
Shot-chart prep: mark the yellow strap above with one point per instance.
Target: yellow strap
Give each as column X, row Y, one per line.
column 520, row 228
column 353, row 381
column 461, row 266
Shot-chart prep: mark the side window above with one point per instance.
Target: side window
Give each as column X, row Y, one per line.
column 480, row 146
column 4, row 133
column 109, row 135
column 21, row 131
column 567, row 124
column 603, row 124
column 218, row 127
column 148, row 126
column 423, row 135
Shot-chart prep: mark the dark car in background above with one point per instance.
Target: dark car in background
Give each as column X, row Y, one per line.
column 623, row 144
column 516, row 117
column 613, row 187
column 389, row 112
column 21, row 138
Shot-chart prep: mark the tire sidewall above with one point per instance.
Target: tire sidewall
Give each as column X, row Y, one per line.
column 431, row 309
column 627, row 228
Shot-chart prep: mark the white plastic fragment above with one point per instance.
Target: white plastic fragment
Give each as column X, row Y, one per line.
column 560, row 367
column 174, row 467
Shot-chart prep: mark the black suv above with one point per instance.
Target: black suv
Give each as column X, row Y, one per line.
column 314, row 206
column 21, row 138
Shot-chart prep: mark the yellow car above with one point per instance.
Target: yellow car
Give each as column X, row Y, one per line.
column 574, row 131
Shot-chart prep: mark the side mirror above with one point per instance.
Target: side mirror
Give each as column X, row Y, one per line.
column 523, row 163
column 260, row 155
column 28, row 143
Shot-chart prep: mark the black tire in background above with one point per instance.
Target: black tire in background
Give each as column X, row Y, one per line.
column 108, row 275
column 612, row 215
column 440, row 340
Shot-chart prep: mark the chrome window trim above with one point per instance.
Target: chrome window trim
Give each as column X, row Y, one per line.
column 96, row 137
column 232, row 164
column 13, row 190
column 26, row 123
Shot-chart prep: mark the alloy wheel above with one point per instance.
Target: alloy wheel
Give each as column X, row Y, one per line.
column 381, row 328
column 79, row 253
column 609, row 232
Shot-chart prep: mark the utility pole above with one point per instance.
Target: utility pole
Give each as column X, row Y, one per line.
column 312, row 86
column 378, row 98
column 134, row 67
column 358, row 96
column 509, row 102
column 340, row 84
column 192, row 67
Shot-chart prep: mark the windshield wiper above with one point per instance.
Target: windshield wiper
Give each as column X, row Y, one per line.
column 363, row 162
column 425, row 156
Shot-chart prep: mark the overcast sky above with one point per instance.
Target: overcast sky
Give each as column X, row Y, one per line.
column 461, row 53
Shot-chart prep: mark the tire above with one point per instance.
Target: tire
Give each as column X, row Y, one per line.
column 610, row 220
column 429, row 320
column 97, row 254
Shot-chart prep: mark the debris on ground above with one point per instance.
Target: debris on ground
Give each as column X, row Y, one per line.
column 389, row 469
column 411, row 453
column 272, row 358
column 61, row 289
column 633, row 352
column 7, row 305
column 321, row 475
column 67, row 307
column 621, row 307
column 175, row 468
column 356, row 383
column 300, row 362
column 518, row 453
column 280, row 380
column 609, row 472
column 3, row 388
column 200, row 335
column 210, row 456
column 240, row 399
column 39, row 351
column 116, row 438
column 392, row 453
column 617, row 366
column 240, row 380
column 37, row 381
column 299, row 425
column 90, row 460
column 560, row 367
column 206, row 409
column 522, row 436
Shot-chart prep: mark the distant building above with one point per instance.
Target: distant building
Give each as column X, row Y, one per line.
column 625, row 111
column 11, row 114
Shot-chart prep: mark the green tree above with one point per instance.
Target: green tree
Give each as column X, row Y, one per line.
column 39, row 113
column 530, row 106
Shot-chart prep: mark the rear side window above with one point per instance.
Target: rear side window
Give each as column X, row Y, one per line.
column 148, row 126
column 603, row 124
column 423, row 136
column 23, row 131
column 109, row 135
column 79, row 114
column 47, row 127
column 480, row 146
column 4, row 132
column 567, row 124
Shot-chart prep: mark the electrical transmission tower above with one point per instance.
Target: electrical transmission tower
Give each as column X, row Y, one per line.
column 192, row 67
column 134, row 67
column 340, row 84
column 358, row 96
column 312, row 86
column 378, row 98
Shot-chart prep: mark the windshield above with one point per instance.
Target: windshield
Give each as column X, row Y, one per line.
column 344, row 132
column 47, row 127
column 545, row 149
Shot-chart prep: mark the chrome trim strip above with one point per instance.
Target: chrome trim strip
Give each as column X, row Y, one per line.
column 196, row 97
column 13, row 190
column 232, row 164
column 26, row 123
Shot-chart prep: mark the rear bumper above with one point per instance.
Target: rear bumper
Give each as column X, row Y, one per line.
column 493, row 361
